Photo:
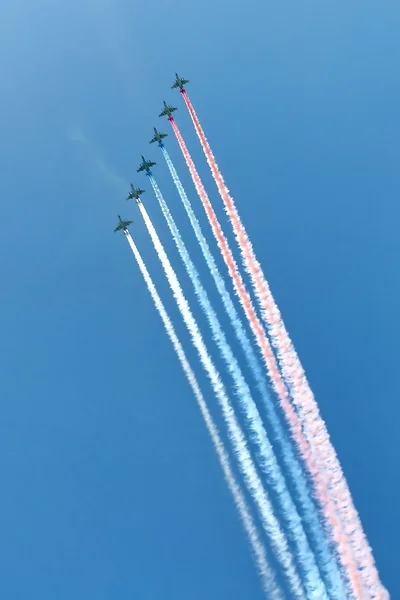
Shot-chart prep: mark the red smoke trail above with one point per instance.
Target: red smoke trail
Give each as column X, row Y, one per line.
column 296, row 381
column 279, row 386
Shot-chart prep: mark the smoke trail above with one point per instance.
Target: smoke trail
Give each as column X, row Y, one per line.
column 303, row 445
column 267, row 576
column 252, row 480
column 313, row 584
column 325, row 560
column 297, row 383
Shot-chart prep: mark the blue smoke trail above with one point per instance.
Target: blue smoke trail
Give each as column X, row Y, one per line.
column 326, row 562
column 313, row 584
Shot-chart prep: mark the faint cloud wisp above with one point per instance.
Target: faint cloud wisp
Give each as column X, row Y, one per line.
column 76, row 135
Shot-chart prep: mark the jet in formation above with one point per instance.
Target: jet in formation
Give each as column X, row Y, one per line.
column 122, row 225
column 167, row 110
column 158, row 137
column 135, row 194
column 146, row 165
column 179, row 83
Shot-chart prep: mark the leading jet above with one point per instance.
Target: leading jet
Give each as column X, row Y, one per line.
column 135, row 194
column 167, row 110
column 179, row 83
column 122, row 225
column 146, row 165
column 158, row 137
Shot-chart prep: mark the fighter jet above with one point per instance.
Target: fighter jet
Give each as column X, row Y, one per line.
column 158, row 137
column 179, row 83
column 122, row 225
column 135, row 194
column 167, row 110
column 146, row 165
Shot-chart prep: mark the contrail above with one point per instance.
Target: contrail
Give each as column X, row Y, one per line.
column 270, row 522
column 297, row 383
column 312, row 581
column 267, row 575
column 294, row 422
column 326, row 563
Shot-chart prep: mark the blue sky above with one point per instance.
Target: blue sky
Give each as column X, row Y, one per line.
column 110, row 485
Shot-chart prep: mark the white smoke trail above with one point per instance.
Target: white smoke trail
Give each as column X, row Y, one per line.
column 270, row 585
column 252, row 480
column 269, row 465
column 326, row 562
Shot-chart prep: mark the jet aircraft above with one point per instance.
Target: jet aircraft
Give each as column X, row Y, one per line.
column 158, row 137
column 179, row 83
column 122, row 225
column 145, row 165
column 135, row 193
column 167, row 110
